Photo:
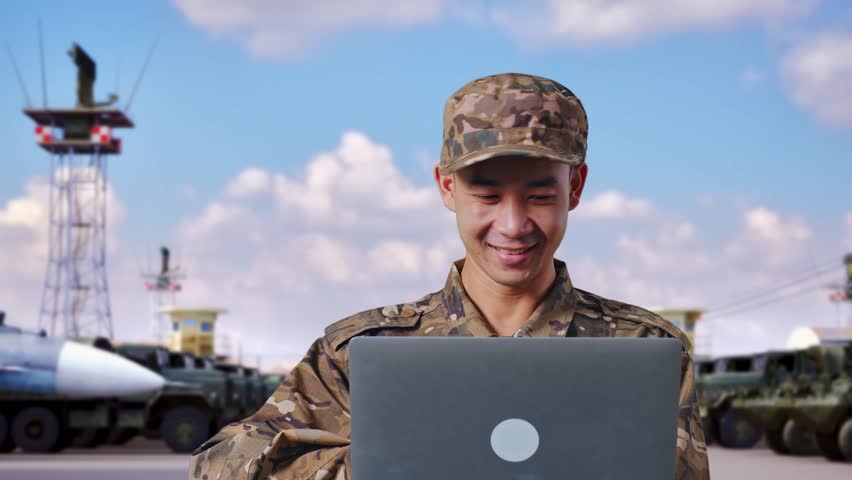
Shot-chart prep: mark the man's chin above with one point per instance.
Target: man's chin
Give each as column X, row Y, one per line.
column 513, row 278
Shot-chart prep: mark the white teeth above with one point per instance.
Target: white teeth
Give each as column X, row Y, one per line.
column 512, row 252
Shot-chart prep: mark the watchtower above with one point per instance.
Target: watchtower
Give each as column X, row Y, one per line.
column 75, row 298
column 193, row 329
column 684, row 319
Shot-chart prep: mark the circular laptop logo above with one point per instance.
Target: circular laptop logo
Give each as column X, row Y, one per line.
column 514, row 440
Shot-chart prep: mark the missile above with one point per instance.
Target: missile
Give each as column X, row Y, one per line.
column 36, row 363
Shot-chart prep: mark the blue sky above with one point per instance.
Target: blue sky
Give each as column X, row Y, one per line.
column 703, row 120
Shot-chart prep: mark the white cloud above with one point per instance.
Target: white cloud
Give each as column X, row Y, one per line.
column 586, row 21
column 24, row 224
column 819, row 76
column 356, row 185
column 673, row 263
column 292, row 253
column 250, row 182
column 288, row 28
column 393, row 256
column 24, row 230
column 215, row 216
column 769, row 226
column 612, row 204
column 768, row 237
column 330, row 257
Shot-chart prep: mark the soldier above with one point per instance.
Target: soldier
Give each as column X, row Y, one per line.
column 512, row 167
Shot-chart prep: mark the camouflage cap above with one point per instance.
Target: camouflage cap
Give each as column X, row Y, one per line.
column 513, row 114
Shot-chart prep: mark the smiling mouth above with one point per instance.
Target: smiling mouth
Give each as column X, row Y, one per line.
column 514, row 251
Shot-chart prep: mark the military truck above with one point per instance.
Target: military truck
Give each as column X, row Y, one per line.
column 731, row 376
column 185, row 412
column 232, row 409
column 826, row 408
column 46, row 422
column 242, row 392
column 786, row 375
column 258, row 388
column 271, row 382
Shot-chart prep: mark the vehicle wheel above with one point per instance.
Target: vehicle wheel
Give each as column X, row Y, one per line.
column 185, row 428
column 89, row 437
column 798, row 440
column 736, row 432
column 709, row 430
column 6, row 442
column 37, row 430
column 827, row 443
column 844, row 439
column 775, row 440
column 120, row 436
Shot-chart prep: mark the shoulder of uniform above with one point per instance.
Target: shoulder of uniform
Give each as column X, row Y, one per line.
column 632, row 313
column 400, row 315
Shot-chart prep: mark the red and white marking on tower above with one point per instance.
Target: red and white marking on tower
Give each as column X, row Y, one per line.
column 43, row 134
column 101, row 134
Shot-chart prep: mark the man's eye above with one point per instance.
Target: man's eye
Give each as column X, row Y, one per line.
column 542, row 198
column 487, row 197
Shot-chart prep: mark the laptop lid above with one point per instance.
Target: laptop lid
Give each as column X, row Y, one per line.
column 513, row 408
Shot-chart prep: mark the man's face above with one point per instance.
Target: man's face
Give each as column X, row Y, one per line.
column 512, row 213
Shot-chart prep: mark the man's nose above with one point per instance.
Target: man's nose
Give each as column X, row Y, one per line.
column 512, row 220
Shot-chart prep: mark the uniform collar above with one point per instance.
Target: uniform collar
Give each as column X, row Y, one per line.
column 550, row 318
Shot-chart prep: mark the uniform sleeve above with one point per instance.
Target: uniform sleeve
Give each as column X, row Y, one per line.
column 300, row 433
column 692, row 462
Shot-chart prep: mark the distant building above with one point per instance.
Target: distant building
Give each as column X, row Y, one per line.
column 804, row 337
column 683, row 318
column 192, row 329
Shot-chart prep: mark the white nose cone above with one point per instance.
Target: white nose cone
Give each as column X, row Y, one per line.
column 84, row 371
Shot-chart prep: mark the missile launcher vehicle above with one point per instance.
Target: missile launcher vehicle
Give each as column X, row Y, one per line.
column 53, row 390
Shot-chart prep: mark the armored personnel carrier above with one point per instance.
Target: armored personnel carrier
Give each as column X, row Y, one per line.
column 826, row 409
column 786, row 375
column 730, row 377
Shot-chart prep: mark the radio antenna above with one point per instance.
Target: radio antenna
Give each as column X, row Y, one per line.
column 20, row 79
column 43, row 73
column 141, row 74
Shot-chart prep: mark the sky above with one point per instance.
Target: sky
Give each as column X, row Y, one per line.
column 284, row 153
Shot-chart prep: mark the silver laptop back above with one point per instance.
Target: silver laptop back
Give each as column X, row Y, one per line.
column 513, row 408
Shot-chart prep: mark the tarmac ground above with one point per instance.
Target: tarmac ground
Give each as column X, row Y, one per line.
column 147, row 459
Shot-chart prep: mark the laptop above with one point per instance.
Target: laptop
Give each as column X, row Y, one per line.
column 458, row 408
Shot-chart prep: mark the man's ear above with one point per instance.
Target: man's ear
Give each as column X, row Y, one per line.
column 447, row 188
column 578, row 181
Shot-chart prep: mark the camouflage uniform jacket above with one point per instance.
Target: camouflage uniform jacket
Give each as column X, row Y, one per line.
column 302, row 432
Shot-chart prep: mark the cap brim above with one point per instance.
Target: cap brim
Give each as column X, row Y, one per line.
column 509, row 150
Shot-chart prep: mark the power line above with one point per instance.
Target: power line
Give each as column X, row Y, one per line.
column 728, row 312
column 774, row 289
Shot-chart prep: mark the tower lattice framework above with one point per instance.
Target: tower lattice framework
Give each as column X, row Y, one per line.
column 75, row 299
